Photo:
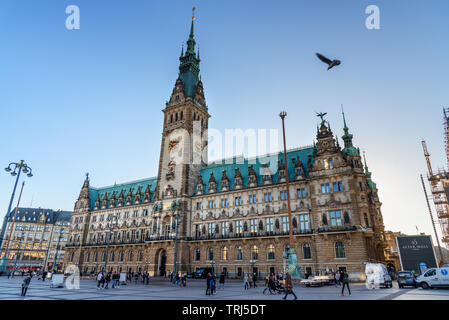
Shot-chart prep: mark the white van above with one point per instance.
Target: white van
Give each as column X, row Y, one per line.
column 434, row 277
column 377, row 276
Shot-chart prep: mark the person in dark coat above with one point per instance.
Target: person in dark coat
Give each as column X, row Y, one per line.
column 25, row 285
column 221, row 282
column 254, row 280
column 208, row 289
column 289, row 286
column 344, row 278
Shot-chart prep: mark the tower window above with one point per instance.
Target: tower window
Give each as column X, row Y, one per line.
column 182, row 115
column 176, row 118
column 171, row 118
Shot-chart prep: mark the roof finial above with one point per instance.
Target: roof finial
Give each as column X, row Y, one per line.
column 344, row 120
column 193, row 13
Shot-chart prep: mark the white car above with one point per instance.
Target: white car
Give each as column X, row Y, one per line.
column 434, row 277
column 377, row 276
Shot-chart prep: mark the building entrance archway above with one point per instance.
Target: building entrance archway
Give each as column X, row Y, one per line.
column 160, row 262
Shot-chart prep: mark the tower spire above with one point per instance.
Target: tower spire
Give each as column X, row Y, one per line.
column 189, row 67
column 347, row 138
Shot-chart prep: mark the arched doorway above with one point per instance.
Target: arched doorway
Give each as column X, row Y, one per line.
column 161, row 260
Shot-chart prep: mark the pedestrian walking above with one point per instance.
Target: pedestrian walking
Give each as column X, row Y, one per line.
column 254, row 280
column 245, row 281
column 107, row 280
column 9, row 274
column 221, row 282
column 289, row 286
column 100, row 280
column 184, row 281
column 213, row 284
column 208, row 289
column 44, row 275
column 345, row 280
column 337, row 279
column 25, row 285
column 268, row 284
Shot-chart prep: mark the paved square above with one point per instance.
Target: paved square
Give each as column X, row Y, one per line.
column 161, row 289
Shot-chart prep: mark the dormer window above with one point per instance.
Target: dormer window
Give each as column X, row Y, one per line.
column 282, row 174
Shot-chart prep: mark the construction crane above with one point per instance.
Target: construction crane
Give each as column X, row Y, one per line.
column 440, row 263
column 427, row 155
column 446, row 133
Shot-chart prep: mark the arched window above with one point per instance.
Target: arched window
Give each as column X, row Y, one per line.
column 340, row 250
column 210, row 254
column 171, row 118
column 88, row 257
column 112, row 256
column 306, row 251
column 271, row 252
column 238, row 253
column 140, row 256
column 96, row 256
column 346, row 218
column 254, row 253
column 224, row 253
column 182, row 115
column 121, row 256
column 72, row 256
column 130, row 256
column 197, row 254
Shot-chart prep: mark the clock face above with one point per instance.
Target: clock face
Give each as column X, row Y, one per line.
column 325, row 144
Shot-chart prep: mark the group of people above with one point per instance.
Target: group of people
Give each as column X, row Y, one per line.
column 250, row 281
column 179, row 278
column 211, row 282
column 273, row 283
column 103, row 280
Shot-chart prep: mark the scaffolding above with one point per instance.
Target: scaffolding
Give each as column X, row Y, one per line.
column 439, row 187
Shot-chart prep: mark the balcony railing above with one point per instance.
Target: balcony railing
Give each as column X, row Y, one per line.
column 337, row 229
column 259, row 234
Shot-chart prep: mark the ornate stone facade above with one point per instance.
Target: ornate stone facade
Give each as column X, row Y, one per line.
column 234, row 212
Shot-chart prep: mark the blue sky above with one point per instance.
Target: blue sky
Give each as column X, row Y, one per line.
column 90, row 100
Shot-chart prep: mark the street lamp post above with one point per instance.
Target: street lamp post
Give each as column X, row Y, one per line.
column 18, row 253
column 112, row 224
column 57, row 248
column 176, row 207
column 18, row 168
column 293, row 267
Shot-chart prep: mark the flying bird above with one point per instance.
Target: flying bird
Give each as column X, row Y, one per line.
column 331, row 63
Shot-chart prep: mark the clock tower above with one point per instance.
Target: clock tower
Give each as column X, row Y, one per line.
column 184, row 135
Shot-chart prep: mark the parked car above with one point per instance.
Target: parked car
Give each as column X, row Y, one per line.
column 434, row 277
column 202, row 273
column 377, row 275
column 406, row 278
column 317, row 281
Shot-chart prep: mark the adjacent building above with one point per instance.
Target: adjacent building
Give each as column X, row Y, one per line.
column 232, row 213
column 35, row 239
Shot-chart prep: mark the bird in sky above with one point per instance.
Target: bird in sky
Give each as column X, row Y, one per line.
column 330, row 63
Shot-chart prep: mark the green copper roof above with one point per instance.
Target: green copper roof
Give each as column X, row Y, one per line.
column 117, row 188
column 371, row 184
column 189, row 67
column 243, row 165
column 349, row 149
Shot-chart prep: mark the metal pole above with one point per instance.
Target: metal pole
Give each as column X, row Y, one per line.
column 290, row 227
column 176, row 245
column 433, row 222
column 12, row 225
column 56, row 253
column 10, row 204
column 107, row 247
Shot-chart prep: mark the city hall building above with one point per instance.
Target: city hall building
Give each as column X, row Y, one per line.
column 232, row 214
